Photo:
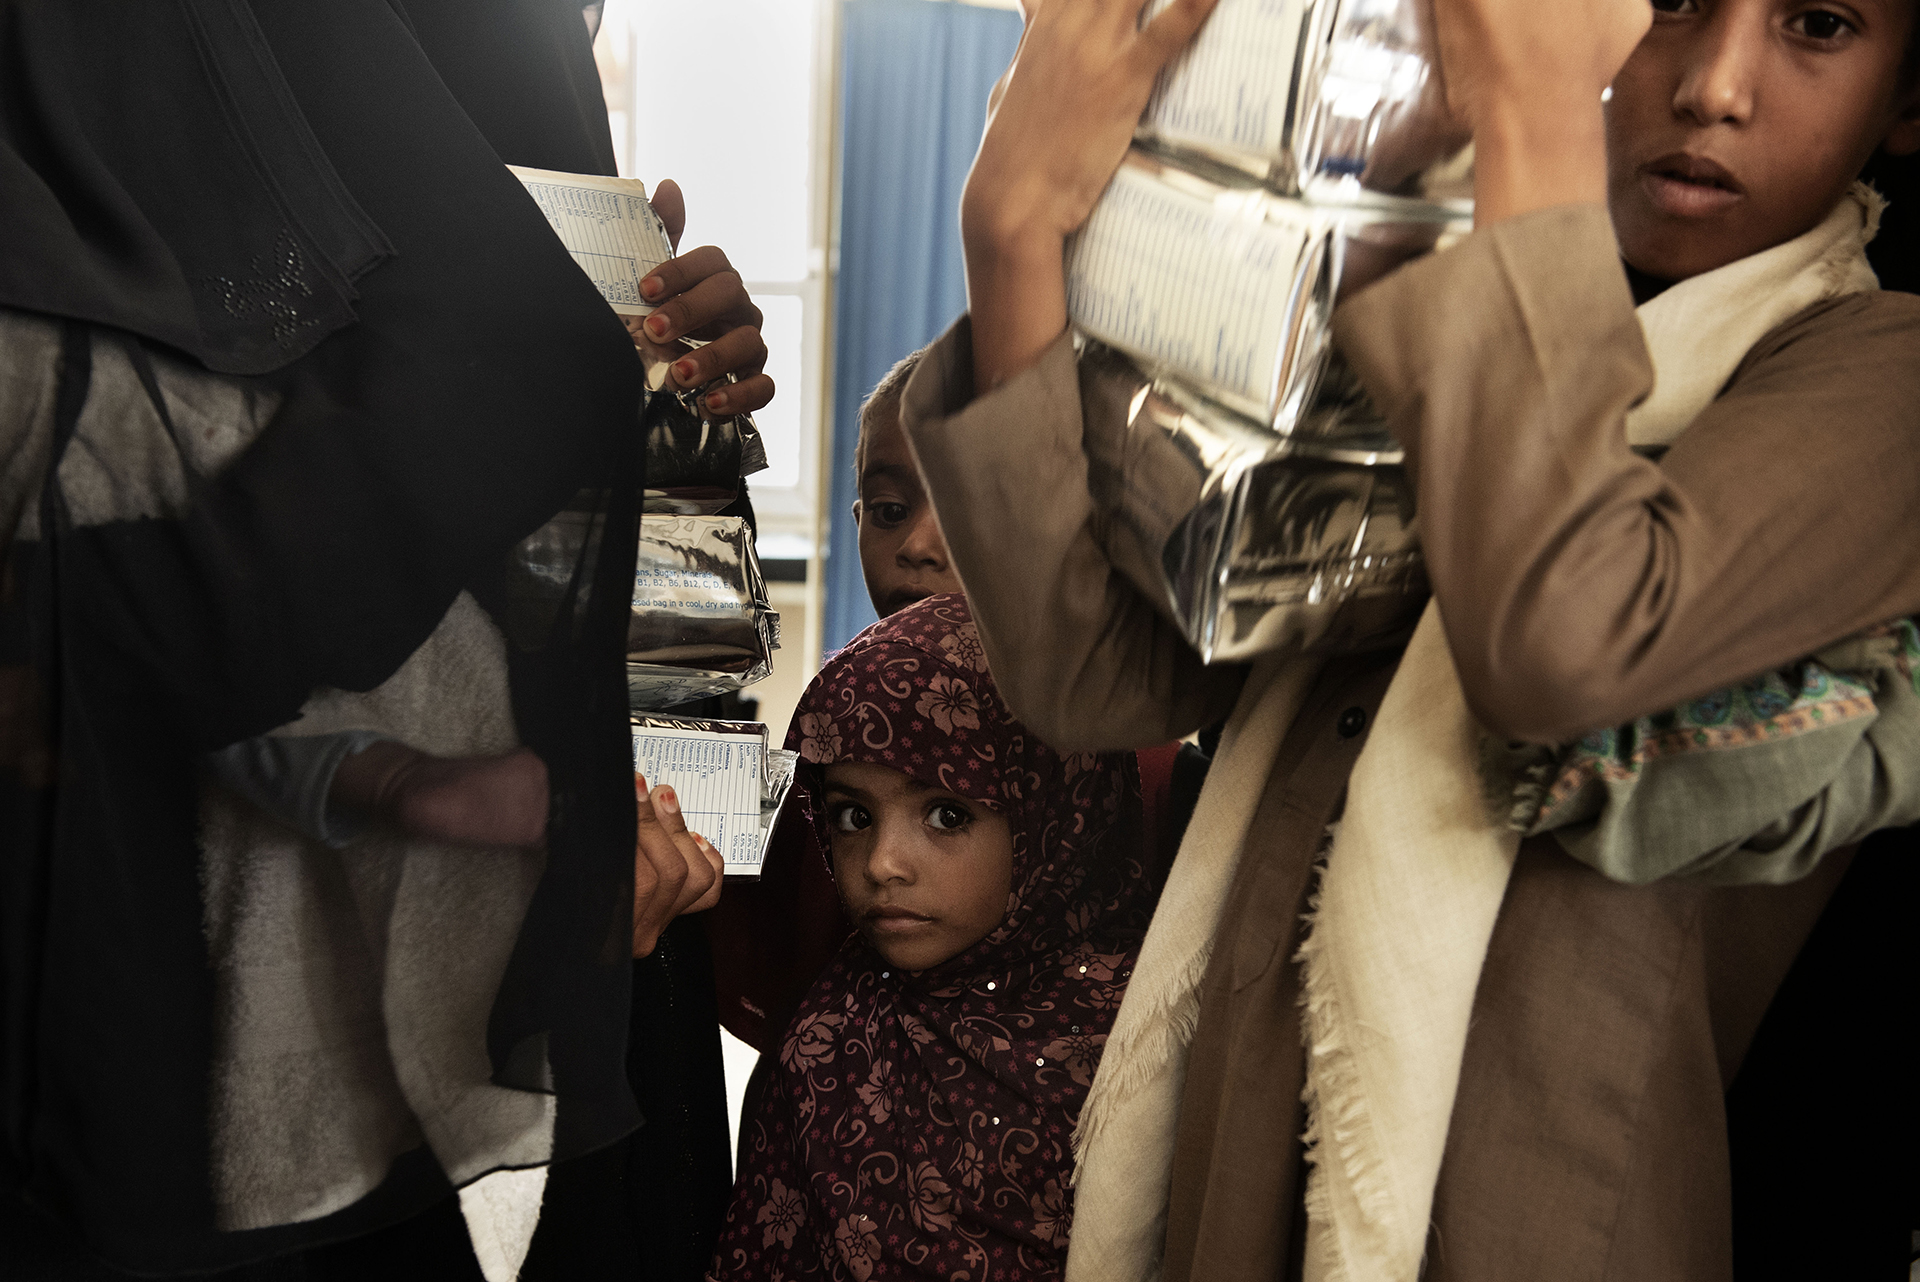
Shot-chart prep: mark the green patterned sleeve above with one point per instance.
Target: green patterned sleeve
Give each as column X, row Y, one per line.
column 1751, row 784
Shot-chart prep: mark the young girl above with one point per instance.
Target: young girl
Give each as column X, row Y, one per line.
column 918, row 1122
column 1516, row 1064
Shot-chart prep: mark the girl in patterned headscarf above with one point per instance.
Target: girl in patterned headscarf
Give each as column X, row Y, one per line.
column 920, row 1118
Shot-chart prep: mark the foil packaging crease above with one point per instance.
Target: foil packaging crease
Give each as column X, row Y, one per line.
column 782, row 766
column 1328, row 98
column 694, row 461
column 778, row 767
column 1200, row 274
column 700, row 623
column 701, row 725
column 1250, row 541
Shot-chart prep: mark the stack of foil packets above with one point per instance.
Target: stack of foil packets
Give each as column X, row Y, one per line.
column 1255, row 542
column 1298, row 151
column 1324, row 97
column 700, row 623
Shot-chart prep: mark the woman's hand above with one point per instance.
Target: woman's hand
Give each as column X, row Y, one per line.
column 469, row 801
column 699, row 295
column 674, row 871
column 1528, row 77
column 1060, row 126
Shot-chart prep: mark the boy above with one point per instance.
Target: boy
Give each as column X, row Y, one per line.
column 1581, row 584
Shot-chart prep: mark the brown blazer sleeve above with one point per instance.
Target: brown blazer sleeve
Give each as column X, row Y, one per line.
column 1079, row 653
column 1583, row 585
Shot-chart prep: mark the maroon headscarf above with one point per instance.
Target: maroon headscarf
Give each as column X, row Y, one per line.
column 921, row 1126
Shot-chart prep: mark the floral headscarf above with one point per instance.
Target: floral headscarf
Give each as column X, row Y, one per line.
column 920, row 1126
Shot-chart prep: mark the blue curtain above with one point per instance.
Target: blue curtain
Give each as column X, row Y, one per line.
column 914, row 100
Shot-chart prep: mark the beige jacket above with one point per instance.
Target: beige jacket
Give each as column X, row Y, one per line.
column 1582, row 585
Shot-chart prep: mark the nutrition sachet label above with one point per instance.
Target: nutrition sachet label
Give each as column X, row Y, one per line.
column 717, row 778
column 608, row 227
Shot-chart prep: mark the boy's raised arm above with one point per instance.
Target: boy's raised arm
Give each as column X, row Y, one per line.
column 1080, row 655
column 1059, row 126
column 1528, row 77
column 1581, row 584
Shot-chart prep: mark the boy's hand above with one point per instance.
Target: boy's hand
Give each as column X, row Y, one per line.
column 1060, row 124
column 700, row 295
column 470, row 801
column 1066, row 111
column 1529, row 76
column 674, row 871
column 1497, row 53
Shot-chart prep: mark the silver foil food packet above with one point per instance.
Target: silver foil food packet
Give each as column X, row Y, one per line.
column 1230, row 288
column 694, row 465
column 729, row 782
column 1251, row 542
column 694, row 460
column 1327, row 98
column 700, row 623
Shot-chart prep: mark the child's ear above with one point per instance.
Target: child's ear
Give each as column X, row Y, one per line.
column 856, row 512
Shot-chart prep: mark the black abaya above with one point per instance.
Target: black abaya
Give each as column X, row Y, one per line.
column 308, row 195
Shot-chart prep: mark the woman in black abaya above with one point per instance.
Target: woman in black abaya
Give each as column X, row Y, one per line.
column 293, row 214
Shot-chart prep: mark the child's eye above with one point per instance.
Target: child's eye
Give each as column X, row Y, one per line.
column 846, row 816
column 888, row 514
column 947, row 816
column 1820, row 24
column 1676, row 8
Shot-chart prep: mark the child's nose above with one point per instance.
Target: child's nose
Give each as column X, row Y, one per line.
column 1717, row 86
column 925, row 546
column 889, row 864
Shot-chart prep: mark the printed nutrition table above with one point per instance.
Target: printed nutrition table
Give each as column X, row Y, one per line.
column 608, row 227
column 717, row 778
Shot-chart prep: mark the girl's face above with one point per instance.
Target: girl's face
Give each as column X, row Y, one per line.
column 925, row 873
column 1737, row 124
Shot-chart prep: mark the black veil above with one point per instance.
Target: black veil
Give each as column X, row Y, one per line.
column 308, row 195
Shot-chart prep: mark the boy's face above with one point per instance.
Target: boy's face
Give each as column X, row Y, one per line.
column 902, row 552
column 1737, row 124
column 925, row 873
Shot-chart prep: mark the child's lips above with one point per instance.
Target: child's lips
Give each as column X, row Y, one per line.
column 896, row 921
column 1686, row 186
column 900, row 598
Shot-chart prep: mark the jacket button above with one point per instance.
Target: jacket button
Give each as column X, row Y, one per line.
column 1351, row 722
